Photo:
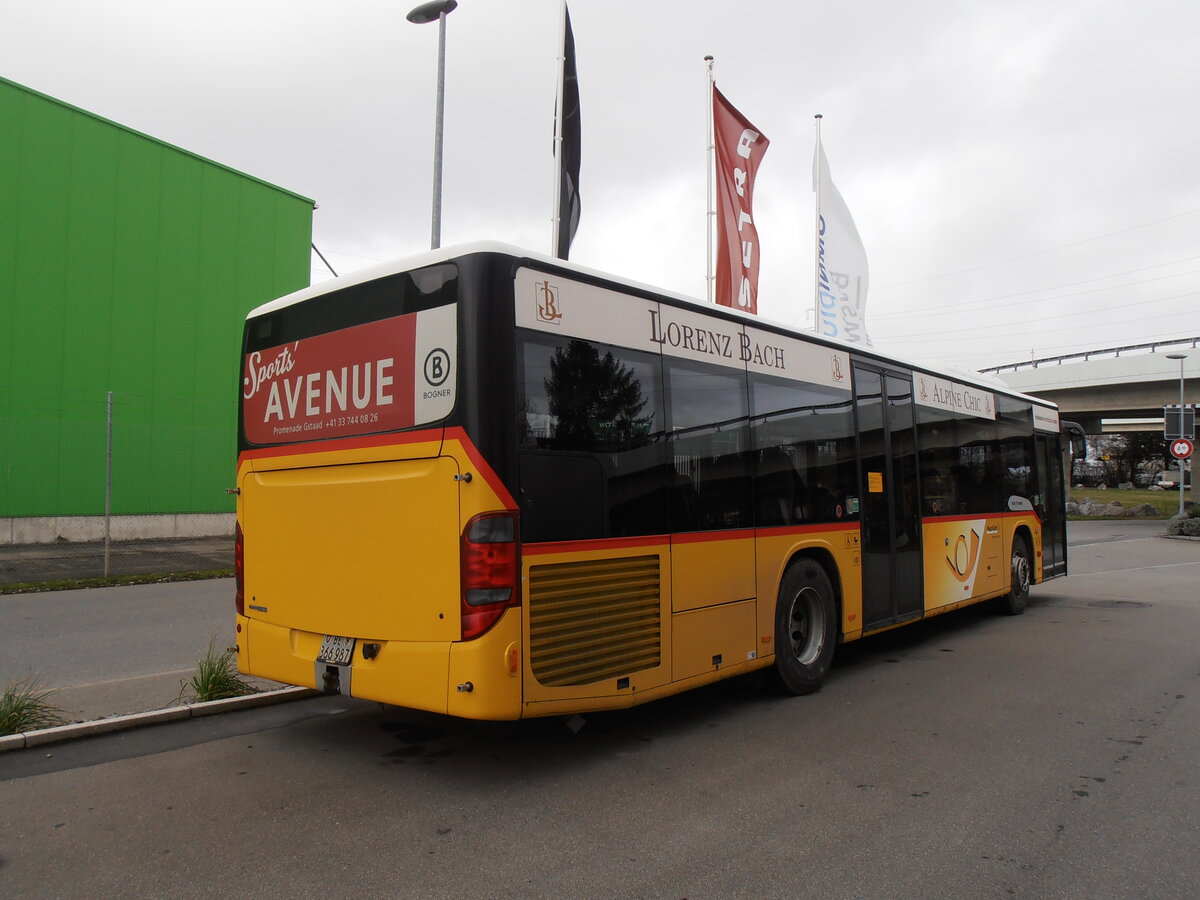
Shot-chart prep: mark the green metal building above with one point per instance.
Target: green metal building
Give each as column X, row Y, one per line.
column 126, row 265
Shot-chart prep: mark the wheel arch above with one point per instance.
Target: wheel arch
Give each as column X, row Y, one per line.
column 1023, row 531
column 822, row 557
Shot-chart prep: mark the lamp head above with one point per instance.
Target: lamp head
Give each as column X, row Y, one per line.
column 431, row 11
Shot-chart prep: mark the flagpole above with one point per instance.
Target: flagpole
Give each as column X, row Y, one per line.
column 555, row 217
column 710, row 214
column 817, row 233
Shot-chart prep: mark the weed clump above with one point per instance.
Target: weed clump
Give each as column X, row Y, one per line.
column 216, row 678
column 25, row 706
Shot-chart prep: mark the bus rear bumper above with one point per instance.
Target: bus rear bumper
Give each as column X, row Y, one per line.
column 479, row 679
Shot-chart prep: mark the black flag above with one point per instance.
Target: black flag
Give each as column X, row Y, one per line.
column 568, row 163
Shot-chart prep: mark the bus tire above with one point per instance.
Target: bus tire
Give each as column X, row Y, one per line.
column 805, row 628
column 1016, row 600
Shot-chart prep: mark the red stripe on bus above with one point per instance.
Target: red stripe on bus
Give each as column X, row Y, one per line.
column 689, row 538
column 489, row 475
column 625, row 543
column 784, row 530
column 428, row 435
column 1011, row 514
column 705, row 537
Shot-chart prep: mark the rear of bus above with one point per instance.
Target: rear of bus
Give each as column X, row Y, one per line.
column 377, row 552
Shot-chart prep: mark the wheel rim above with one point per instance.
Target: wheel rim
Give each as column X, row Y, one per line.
column 806, row 625
column 1020, row 570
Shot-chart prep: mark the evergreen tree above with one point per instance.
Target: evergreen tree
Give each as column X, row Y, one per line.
column 596, row 400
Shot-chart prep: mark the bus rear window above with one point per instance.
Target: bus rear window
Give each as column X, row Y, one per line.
column 373, row 357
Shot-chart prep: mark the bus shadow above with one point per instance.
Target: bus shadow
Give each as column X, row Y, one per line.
column 888, row 646
column 542, row 746
column 403, row 740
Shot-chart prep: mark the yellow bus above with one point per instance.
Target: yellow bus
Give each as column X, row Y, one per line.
column 494, row 485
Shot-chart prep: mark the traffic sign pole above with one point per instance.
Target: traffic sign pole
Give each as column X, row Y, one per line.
column 1181, row 449
column 1181, row 481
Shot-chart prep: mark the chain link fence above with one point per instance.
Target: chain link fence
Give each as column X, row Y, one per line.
column 86, row 485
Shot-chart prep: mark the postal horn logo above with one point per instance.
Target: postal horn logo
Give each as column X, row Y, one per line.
column 548, row 309
column 962, row 558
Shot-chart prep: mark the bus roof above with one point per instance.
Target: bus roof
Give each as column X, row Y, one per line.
column 445, row 254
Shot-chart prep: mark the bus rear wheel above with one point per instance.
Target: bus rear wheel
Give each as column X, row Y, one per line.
column 805, row 628
column 1017, row 599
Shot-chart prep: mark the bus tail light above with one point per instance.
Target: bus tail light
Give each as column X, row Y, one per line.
column 491, row 571
column 239, row 571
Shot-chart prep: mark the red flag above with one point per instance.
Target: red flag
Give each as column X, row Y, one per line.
column 740, row 148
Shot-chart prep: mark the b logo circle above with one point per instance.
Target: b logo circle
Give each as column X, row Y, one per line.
column 437, row 367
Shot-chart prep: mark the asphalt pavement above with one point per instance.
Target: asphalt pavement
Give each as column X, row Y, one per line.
column 974, row 755
column 115, row 651
column 131, row 649
column 66, row 560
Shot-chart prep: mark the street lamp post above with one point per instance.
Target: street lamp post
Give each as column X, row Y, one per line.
column 436, row 11
column 1181, row 357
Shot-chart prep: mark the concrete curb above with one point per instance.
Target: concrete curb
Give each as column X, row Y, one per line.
column 78, row 730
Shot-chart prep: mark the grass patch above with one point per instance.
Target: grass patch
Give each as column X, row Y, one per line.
column 25, row 706
column 1166, row 503
column 75, row 584
column 216, row 678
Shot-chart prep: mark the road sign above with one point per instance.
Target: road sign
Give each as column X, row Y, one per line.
column 1179, row 422
column 1181, row 448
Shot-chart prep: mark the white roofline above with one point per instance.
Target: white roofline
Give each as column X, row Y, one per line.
column 432, row 257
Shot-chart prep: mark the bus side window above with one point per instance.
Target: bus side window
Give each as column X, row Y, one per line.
column 779, row 493
column 938, row 494
column 709, row 440
column 589, row 425
column 546, row 478
column 1016, row 449
column 976, row 487
column 810, row 428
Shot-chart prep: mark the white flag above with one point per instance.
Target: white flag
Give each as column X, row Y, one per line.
column 841, row 263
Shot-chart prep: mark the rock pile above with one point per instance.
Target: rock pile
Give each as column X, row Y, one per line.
column 1114, row 509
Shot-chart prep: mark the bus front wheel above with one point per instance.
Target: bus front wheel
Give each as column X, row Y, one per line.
column 805, row 628
column 1017, row 599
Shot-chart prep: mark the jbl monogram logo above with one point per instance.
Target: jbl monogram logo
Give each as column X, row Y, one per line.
column 547, row 302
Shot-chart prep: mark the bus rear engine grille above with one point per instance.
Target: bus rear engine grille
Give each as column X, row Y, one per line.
column 593, row 620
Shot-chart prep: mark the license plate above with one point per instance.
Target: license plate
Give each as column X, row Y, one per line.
column 336, row 650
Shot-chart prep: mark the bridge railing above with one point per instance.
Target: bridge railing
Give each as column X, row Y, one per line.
column 1153, row 347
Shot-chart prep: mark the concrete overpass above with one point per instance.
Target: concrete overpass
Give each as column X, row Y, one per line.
column 1113, row 390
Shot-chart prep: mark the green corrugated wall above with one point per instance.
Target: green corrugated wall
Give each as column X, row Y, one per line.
column 126, row 265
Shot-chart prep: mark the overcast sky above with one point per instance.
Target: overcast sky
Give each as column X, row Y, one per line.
column 1024, row 175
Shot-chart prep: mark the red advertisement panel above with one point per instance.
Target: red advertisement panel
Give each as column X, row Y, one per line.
column 739, row 150
column 355, row 381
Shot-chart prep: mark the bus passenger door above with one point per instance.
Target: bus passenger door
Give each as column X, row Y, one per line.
column 891, row 525
column 1050, row 505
